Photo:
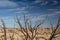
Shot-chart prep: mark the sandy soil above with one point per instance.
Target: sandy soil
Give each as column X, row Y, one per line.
column 43, row 32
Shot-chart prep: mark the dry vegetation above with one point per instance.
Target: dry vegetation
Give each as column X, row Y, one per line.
column 28, row 32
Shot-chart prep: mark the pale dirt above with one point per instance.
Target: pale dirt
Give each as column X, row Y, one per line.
column 43, row 32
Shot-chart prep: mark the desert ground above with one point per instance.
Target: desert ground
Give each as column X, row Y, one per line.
column 42, row 33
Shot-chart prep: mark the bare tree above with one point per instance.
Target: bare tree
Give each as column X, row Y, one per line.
column 4, row 28
column 12, row 36
column 53, row 34
column 28, row 31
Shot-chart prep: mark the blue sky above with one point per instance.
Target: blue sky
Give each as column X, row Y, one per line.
column 36, row 9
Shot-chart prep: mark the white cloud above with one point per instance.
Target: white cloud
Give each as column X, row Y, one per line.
column 37, row 1
column 16, row 9
column 55, row 2
column 58, row 12
column 42, row 17
column 54, row 14
column 52, row 9
column 44, row 3
column 7, row 4
column 37, row 18
column 7, row 17
column 4, row 0
column 8, row 21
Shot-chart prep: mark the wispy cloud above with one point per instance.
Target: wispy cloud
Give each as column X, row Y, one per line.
column 9, row 21
column 35, row 9
column 55, row 2
column 55, row 11
column 37, row 1
column 7, row 4
column 42, row 2
column 16, row 9
column 4, row 0
column 58, row 12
